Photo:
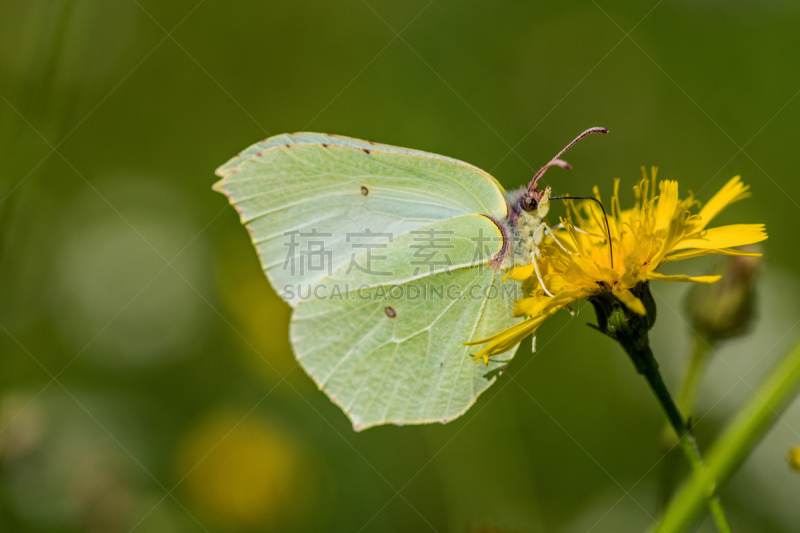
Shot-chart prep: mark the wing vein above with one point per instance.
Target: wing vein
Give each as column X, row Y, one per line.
column 472, row 333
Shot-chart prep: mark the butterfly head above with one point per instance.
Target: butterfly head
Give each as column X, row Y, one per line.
column 530, row 200
column 524, row 203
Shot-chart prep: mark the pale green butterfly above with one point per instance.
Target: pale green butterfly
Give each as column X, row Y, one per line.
column 391, row 258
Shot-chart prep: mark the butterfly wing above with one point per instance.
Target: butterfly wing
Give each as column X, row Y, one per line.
column 391, row 350
column 294, row 196
column 367, row 336
column 337, row 140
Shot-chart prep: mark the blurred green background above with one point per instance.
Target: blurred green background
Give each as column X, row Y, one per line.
column 146, row 380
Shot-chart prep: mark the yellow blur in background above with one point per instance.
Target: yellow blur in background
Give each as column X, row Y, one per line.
column 246, row 473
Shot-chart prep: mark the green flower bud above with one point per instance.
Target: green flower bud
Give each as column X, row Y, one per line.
column 726, row 309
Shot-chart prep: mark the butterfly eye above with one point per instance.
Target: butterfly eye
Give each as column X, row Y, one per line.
column 529, row 203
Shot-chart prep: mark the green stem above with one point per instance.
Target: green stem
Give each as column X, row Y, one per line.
column 648, row 367
column 629, row 328
column 693, row 376
column 731, row 448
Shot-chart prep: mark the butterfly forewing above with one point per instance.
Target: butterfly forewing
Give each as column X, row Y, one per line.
column 299, row 198
column 339, row 140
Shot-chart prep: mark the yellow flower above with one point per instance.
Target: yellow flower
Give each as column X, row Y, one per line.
column 577, row 262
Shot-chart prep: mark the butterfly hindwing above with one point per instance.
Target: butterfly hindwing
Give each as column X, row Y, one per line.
column 390, row 349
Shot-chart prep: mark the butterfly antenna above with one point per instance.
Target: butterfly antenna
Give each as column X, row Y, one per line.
column 556, row 162
column 608, row 229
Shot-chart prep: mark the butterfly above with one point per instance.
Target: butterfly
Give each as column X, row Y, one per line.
column 391, row 259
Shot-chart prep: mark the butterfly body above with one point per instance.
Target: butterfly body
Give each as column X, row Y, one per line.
column 526, row 224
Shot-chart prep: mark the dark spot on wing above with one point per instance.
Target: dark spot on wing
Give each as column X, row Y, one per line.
column 325, row 145
column 259, row 154
column 287, row 145
column 365, row 151
column 364, row 191
column 390, row 312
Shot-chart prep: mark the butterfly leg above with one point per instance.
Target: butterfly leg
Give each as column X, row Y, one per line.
column 539, row 274
column 553, row 234
column 538, row 238
column 560, row 225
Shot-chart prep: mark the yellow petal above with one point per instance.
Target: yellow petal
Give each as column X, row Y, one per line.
column 667, row 203
column 681, row 277
column 515, row 330
column 506, row 339
column 731, row 192
column 588, row 266
column 674, row 236
column 537, row 305
column 709, row 251
column 724, row 237
column 631, row 302
column 520, row 273
column 530, row 306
